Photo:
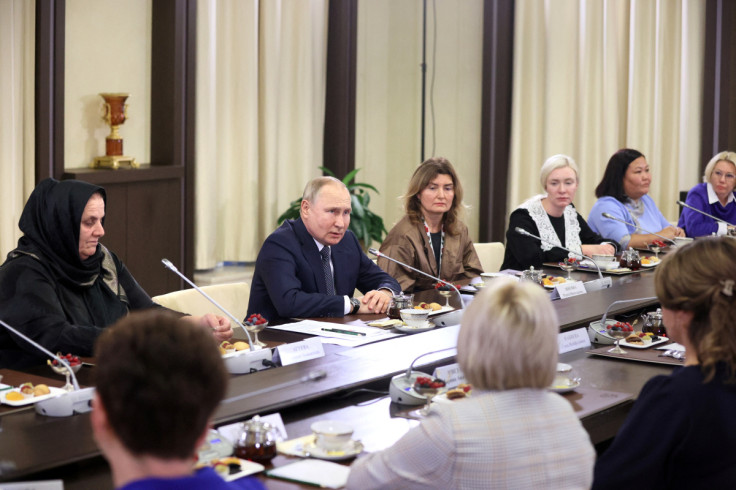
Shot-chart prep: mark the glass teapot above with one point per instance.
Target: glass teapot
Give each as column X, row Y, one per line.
column 630, row 259
column 257, row 442
column 399, row 302
column 532, row 275
column 654, row 323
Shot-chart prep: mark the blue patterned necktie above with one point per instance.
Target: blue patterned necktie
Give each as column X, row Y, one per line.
column 329, row 282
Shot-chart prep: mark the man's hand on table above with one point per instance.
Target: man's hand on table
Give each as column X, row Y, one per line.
column 376, row 301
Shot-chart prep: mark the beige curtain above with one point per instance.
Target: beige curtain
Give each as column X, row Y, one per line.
column 260, row 118
column 388, row 96
column 17, row 34
column 594, row 76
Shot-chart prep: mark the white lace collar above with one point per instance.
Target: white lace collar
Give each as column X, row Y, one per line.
column 547, row 231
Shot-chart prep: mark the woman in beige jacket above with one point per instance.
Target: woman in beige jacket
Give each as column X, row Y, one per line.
column 431, row 236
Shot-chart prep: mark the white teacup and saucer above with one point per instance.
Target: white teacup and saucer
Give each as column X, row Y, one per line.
column 333, row 441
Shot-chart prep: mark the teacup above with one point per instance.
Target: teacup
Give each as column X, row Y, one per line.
column 682, row 240
column 332, row 435
column 414, row 318
column 563, row 377
column 602, row 260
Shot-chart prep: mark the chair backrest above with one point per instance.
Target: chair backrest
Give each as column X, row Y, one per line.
column 490, row 255
column 233, row 297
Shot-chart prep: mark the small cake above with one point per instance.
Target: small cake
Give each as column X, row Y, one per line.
column 40, row 390
column 634, row 339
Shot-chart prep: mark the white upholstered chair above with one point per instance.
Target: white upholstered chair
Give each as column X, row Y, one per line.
column 490, row 255
column 233, row 297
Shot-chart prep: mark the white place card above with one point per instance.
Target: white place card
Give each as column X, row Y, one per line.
column 451, row 374
column 573, row 340
column 570, row 289
column 303, row 350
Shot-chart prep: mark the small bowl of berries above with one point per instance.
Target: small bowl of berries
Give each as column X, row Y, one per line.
column 254, row 324
column 618, row 331
column 428, row 387
column 74, row 362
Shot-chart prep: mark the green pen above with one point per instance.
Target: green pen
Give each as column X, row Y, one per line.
column 347, row 332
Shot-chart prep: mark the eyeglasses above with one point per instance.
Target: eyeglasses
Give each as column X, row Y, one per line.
column 720, row 174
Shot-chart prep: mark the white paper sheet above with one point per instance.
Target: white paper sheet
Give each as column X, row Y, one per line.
column 363, row 334
column 313, row 472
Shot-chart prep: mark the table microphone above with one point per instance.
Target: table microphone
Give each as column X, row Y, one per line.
column 63, row 404
column 172, row 267
column 610, row 216
column 704, row 213
column 600, row 283
column 375, row 252
column 593, row 331
column 401, row 386
column 255, row 359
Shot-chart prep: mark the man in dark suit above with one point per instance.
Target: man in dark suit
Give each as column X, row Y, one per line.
column 309, row 267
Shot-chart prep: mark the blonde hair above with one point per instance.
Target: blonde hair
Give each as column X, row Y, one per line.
column 508, row 337
column 699, row 278
column 725, row 156
column 421, row 178
column 553, row 163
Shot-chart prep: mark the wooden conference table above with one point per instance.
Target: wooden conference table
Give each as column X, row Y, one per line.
column 34, row 447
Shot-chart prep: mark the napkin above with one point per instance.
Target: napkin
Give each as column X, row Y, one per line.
column 313, row 472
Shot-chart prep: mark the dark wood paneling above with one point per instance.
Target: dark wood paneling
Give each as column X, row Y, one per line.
column 150, row 211
column 49, row 88
column 339, row 136
column 498, row 49
column 719, row 72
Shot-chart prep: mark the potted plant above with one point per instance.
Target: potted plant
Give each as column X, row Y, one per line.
column 364, row 223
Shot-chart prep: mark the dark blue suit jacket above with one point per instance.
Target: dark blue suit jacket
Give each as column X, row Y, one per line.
column 289, row 282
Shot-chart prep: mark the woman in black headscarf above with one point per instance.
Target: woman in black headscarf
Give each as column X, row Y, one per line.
column 60, row 286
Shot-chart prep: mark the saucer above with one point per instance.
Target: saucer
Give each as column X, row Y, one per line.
column 407, row 329
column 351, row 450
column 574, row 384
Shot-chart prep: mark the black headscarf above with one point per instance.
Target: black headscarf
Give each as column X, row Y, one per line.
column 50, row 223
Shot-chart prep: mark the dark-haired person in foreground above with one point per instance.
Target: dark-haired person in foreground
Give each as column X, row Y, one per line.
column 159, row 380
column 681, row 432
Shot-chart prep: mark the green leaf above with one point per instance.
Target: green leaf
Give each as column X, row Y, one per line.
column 327, row 171
column 358, row 209
column 350, row 176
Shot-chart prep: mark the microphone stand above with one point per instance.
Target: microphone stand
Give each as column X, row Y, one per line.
column 704, row 213
column 594, row 327
column 375, row 252
column 255, row 359
column 610, row 216
column 400, row 389
column 64, row 404
column 600, row 283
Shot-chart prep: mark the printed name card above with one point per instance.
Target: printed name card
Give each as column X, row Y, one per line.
column 570, row 289
column 573, row 340
column 304, row 350
column 451, row 374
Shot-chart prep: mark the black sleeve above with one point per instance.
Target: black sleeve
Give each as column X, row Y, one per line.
column 522, row 251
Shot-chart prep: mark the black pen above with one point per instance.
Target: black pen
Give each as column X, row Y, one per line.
column 347, row 332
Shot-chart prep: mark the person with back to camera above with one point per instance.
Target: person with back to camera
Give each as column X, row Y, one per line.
column 623, row 193
column 715, row 196
column 61, row 286
column 681, row 431
column 512, row 432
column 159, row 380
column 552, row 216
column 431, row 237
column 309, row 267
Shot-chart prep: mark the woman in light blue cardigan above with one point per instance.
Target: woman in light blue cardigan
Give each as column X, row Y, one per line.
column 623, row 193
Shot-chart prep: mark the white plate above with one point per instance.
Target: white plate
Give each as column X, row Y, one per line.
column 407, row 329
column 655, row 264
column 552, row 286
column 352, row 449
column 444, row 309
column 565, row 389
column 30, row 400
column 661, row 340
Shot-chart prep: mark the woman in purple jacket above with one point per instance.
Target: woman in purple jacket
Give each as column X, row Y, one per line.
column 715, row 196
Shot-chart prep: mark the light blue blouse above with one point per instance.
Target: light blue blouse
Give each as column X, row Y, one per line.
column 648, row 219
